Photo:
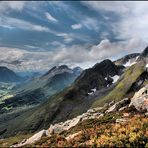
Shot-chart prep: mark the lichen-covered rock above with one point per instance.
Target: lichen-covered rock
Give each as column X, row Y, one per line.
column 140, row 99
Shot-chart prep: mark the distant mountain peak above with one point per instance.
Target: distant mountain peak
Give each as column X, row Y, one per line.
column 7, row 75
column 63, row 67
column 57, row 70
column 77, row 69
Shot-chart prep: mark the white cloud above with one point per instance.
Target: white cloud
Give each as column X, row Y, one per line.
column 22, row 24
column 50, row 17
column 31, row 47
column 75, row 55
column 28, row 60
column 90, row 23
column 57, row 44
column 113, row 6
column 106, row 49
column 11, row 5
column 133, row 18
column 76, row 26
column 67, row 37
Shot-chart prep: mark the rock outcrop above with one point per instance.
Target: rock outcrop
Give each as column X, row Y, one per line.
column 32, row 139
column 140, row 99
column 119, row 105
column 62, row 126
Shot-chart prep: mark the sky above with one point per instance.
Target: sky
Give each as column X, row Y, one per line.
column 35, row 36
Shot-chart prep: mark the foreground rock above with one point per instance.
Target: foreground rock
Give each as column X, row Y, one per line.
column 32, row 139
column 62, row 126
column 140, row 99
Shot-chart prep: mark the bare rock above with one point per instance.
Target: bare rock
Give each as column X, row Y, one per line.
column 140, row 99
column 32, row 139
column 60, row 127
column 118, row 105
column 123, row 108
column 121, row 120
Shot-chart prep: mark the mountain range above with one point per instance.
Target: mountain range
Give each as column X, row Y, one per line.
column 35, row 91
column 63, row 93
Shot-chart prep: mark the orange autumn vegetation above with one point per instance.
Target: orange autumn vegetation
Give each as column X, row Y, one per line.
column 133, row 133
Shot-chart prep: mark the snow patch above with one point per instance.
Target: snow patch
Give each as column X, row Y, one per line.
column 137, row 58
column 92, row 91
column 115, row 78
column 129, row 63
column 146, row 66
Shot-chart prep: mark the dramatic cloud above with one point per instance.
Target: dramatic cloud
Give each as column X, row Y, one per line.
column 50, row 17
column 76, row 26
column 132, row 21
column 75, row 55
column 105, row 49
column 73, row 33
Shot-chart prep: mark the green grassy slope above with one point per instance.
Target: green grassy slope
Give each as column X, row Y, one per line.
column 128, row 78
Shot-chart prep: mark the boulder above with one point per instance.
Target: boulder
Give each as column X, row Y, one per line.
column 140, row 99
column 60, row 127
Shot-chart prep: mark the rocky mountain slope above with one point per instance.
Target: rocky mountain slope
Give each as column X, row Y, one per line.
column 92, row 127
column 100, row 86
